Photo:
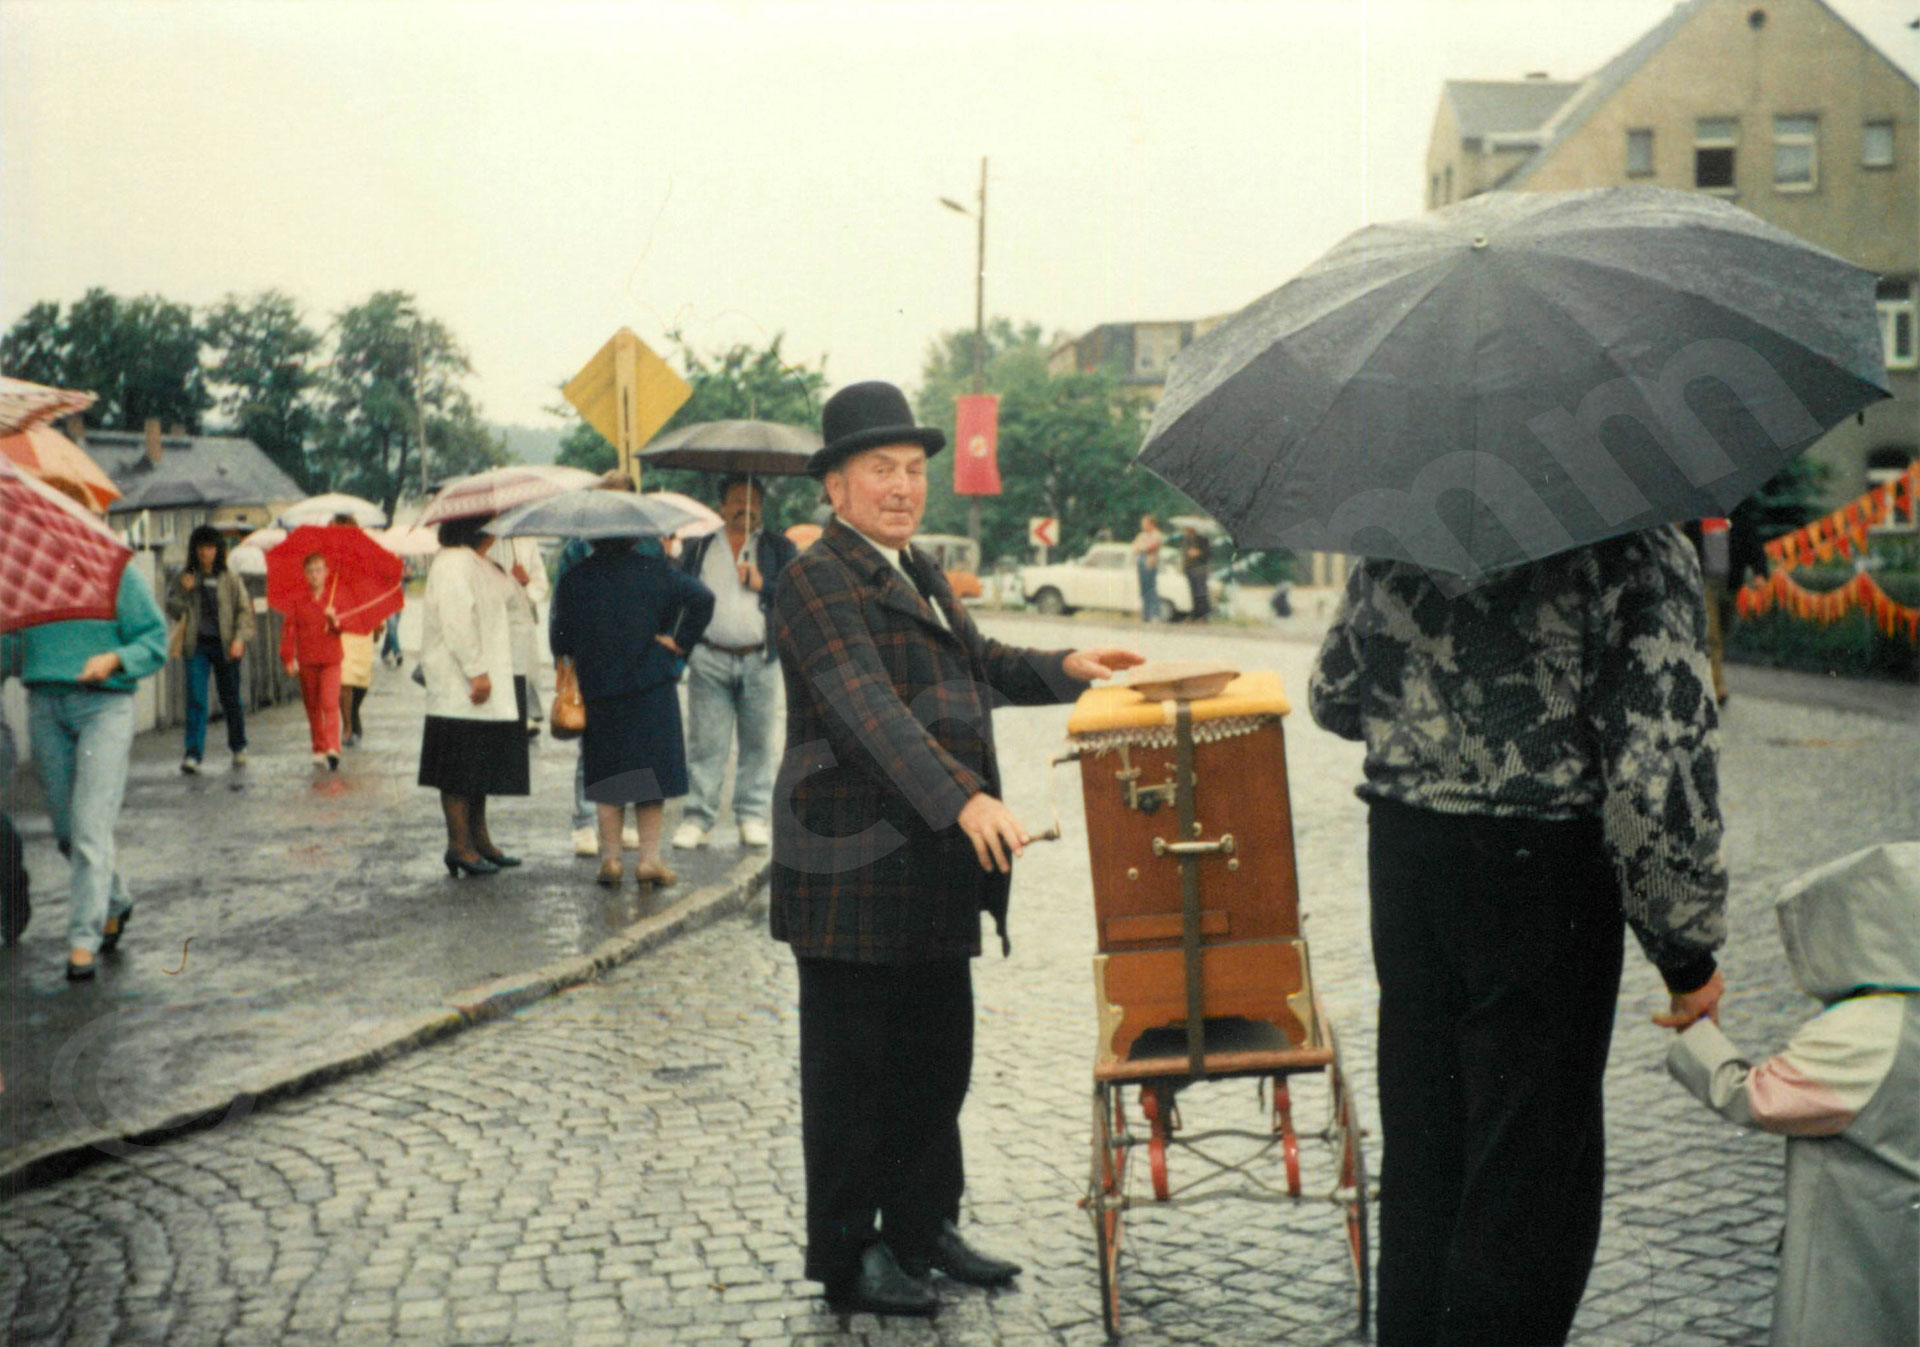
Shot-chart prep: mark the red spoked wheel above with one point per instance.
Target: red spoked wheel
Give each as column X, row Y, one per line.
column 1106, row 1198
column 1348, row 1140
column 1156, row 1101
column 1283, row 1128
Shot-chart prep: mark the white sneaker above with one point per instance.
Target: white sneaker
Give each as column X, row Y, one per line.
column 190, row 765
column 586, row 842
column 688, row 836
column 630, row 838
column 319, row 760
column 240, row 758
column 755, row 833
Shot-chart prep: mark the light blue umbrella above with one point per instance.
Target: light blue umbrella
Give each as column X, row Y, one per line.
column 592, row 513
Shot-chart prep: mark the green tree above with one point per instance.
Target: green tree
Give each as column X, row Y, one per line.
column 741, row 383
column 388, row 361
column 265, row 368
column 140, row 356
column 1066, row 445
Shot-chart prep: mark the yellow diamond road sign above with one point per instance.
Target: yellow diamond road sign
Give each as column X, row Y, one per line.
column 627, row 393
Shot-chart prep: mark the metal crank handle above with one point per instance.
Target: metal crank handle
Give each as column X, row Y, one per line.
column 1223, row 847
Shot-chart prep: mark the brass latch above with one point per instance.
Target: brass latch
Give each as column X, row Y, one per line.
column 1146, row 799
column 1223, row 847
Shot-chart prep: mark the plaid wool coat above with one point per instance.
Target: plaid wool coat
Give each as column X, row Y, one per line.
column 889, row 733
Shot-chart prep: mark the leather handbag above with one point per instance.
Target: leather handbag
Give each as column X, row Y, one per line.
column 568, row 717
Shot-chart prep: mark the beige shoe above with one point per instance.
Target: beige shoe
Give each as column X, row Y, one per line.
column 656, row 874
column 586, row 842
column 688, row 836
column 630, row 838
column 755, row 833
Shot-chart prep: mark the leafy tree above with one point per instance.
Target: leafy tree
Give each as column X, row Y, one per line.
column 141, row 356
column 390, row 360
column 741, row 383
column 1066, row 445
column 264, row 364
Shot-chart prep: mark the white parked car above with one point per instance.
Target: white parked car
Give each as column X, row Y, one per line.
column 1105, row 578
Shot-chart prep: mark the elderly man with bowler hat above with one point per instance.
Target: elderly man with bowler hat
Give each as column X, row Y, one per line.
column 890, row 842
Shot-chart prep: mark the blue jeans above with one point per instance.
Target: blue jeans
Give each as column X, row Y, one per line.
column 207, row 658
column 81, row 740
column 583, row 811
column 725, row 694
column 1149, row 591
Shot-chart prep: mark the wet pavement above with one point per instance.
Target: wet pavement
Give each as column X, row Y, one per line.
column 289, row 922
column 620, row 1162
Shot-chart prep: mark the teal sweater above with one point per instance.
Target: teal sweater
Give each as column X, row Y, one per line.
column 55, row 651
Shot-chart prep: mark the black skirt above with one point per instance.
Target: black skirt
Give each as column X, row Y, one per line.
column 633, row 749
column 474, row 757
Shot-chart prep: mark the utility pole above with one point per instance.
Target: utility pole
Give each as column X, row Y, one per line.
column 979, row 214
column 420, row 415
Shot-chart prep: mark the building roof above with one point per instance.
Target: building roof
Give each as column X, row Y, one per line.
column 193, row 469
column 1505, row 107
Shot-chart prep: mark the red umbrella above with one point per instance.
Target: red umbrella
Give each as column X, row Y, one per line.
column 363, row 578
column 56, row 563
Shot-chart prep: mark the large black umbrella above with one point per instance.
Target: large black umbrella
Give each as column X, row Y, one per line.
column 758, row 448
column 1525, row 372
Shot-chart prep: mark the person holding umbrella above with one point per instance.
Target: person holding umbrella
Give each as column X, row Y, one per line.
column 310, row 650
column 214, row 616
column 474, row 743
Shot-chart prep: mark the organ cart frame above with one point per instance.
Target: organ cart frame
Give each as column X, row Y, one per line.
column 1184, row 1001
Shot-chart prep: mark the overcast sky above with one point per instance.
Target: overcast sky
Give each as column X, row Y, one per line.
column 541, row 174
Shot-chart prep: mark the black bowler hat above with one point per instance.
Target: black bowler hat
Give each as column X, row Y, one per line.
column 866, row 416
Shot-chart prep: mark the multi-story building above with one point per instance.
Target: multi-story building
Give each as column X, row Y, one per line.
column 1137, row 355
column 1779, row 106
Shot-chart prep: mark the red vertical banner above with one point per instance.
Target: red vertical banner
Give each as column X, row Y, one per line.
column 976, row 434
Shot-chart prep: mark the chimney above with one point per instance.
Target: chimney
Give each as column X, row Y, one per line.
column 153, row 441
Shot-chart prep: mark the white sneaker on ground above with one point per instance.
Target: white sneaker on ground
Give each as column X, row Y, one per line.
column 755, row 833
column 586, row 842
column 240, row 758
column 688, row 836
column 319, row 760
column 630, row 838
column 190, row 765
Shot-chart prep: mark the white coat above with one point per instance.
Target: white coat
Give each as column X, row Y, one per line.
column 1846, row 1090
column 466, row 632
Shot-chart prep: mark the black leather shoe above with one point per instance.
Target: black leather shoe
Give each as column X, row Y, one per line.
column 501, row 860
column 882, row 1288
column 953, row 1257
column 110, row 939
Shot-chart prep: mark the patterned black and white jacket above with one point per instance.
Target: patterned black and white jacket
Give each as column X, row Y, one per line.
column 1572, row 688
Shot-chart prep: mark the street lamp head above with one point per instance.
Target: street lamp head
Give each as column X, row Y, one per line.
column 951, row 204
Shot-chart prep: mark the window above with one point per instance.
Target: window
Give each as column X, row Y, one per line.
column 1796, row 154
column 1889, row 464
column 1714, row 142
column 1639, row 154
column 1894, row 299
column 1876, row 145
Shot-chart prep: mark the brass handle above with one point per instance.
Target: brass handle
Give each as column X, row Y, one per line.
column 1223, row 847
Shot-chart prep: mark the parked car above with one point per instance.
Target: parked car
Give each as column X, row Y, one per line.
column 958, row 557
column 1104, row 577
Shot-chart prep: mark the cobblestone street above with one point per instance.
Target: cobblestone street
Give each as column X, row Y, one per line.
column 620, row 1163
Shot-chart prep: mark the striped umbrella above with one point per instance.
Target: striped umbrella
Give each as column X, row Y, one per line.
column 23, row 404
column 61, row 464
column 497, row 489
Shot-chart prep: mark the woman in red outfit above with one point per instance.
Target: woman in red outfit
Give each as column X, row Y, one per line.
column 310, row 646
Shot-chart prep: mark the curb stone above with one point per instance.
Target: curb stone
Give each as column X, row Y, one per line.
column 393, row 1038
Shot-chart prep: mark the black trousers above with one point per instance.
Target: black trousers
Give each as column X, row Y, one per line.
column 886, row 1051
column 1498, row 948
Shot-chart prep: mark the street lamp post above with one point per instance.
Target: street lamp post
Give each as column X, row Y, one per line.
column 979, row 313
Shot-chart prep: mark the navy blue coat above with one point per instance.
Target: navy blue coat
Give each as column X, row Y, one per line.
column 608, row 609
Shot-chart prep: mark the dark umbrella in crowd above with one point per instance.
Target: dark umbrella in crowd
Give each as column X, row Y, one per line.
column 593, row 514
column 1522, row 373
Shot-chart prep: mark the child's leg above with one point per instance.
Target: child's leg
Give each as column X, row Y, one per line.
column 330, row 708
column 312, row 693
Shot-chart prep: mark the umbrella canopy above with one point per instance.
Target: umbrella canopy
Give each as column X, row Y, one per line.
column 759, row 448
column 1523, row 373
column 413, row 540
column 593, row 514
column 57, row 563
column 60, row 463
column 324, row 509
column 500, row 489
column 23, row 404
column 363, row 578
column 706, row 519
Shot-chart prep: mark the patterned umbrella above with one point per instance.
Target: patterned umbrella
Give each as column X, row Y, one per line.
column 498, row 489
column 363, row 578
column 416, row 540
column 23, row 404
column 56, row 562
column 61, row 464
column 323, row 509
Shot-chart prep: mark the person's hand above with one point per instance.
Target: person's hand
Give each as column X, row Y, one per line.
column 520, row 572
column 1101, row 662
column 186, row 580
column 479, row 689
column 750, row 576
column 99, row 668
column 996, row 834
column 291, row 668
column 236, row 650
column 672, row 645
column 1702, row 1001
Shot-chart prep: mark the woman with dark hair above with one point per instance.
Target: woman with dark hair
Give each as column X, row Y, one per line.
column 627, row 620
column 475, row 742
column 210, row 608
